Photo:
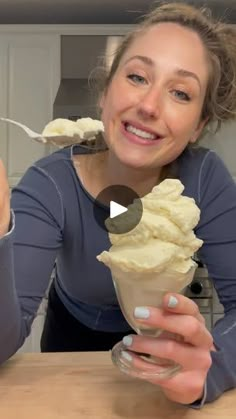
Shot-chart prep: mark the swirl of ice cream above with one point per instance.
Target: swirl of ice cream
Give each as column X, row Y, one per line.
column 84, row 128
column 163, row 239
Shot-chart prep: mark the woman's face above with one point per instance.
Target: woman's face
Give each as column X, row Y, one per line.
column 152, row 107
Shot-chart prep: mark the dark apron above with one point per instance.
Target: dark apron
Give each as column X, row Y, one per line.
column 64, row 333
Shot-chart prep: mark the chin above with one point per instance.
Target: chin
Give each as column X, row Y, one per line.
column 134, row 162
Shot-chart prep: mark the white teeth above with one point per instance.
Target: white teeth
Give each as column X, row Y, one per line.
column 140, row 133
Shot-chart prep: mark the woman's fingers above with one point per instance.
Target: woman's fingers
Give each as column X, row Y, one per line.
column 178, row 303
column 187, row 385
column 186, row 325
column 184, row 387
column 178, row 316
column 182, row 353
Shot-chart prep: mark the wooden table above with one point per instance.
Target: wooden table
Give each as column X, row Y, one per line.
column 87, row 385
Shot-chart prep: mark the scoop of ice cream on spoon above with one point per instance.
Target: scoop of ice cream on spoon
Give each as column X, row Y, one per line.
column 63, row 132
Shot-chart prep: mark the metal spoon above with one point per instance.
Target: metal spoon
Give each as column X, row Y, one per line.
column 58, row 140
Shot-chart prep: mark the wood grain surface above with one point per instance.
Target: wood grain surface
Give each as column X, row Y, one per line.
column 87, row 385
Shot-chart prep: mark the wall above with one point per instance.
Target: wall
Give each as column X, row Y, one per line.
column 224, row 143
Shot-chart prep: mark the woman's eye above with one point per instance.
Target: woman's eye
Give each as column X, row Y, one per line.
column 182, row 95
column 136, row 78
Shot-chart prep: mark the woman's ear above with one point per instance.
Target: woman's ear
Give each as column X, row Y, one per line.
column 198, row 130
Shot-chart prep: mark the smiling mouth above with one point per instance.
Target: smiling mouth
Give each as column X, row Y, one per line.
column 142, row 134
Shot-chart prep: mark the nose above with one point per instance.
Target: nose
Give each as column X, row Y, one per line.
column 149, row 104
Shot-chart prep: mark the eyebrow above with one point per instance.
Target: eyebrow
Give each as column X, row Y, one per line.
column 179, row 71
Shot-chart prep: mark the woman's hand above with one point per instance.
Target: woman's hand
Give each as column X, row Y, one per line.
column 4, row 202
column 192, row 352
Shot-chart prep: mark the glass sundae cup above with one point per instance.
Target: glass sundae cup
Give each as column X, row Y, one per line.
column 135, row 289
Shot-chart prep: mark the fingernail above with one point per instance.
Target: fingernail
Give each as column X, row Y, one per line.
column 127, row 340
column 126, row 356
column 172, row 302
column 141, row 312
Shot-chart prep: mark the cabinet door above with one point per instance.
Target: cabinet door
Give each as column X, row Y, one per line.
column 29, row 80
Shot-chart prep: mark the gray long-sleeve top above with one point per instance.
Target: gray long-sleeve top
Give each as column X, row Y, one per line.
column 54, row 221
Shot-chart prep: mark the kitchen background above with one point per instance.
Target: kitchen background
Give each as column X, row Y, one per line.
column 48, row 50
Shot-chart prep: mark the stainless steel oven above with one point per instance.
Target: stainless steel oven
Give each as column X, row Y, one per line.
column 201, row 291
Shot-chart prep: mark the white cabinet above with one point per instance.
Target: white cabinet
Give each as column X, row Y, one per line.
column 29, row 79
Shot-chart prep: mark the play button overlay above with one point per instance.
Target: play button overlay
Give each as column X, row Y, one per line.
column 118, row 209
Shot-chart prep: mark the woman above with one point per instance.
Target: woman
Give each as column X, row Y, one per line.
column 170, row 78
